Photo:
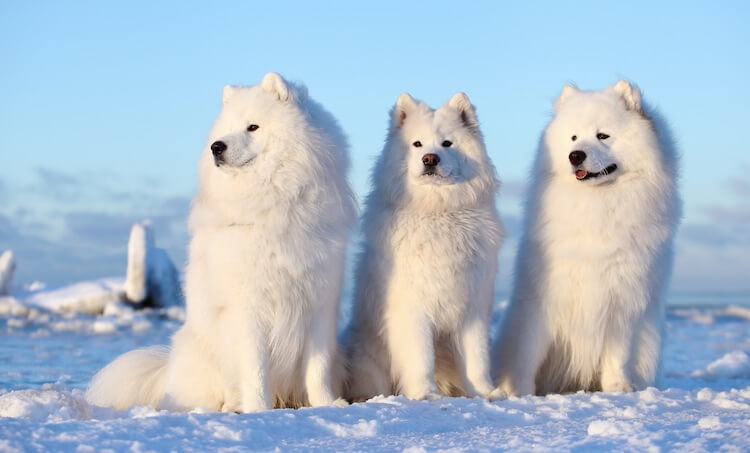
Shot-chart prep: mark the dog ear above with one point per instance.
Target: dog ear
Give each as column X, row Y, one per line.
column 405, row 105
column 630, row 94
column 460, row 102
column 228, row 92
column 275, row 84
column 565, row 94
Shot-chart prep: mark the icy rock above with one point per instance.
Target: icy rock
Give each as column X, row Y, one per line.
column 10, row 306
column 141, row 240
column 733, row 365
column 84, row 297
column 152, row 279
column 7, row 268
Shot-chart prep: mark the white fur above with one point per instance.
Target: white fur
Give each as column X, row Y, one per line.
column 269, row 229
column 594, row 262
column 425, row 276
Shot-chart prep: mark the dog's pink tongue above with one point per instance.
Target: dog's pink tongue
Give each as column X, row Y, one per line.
column 580, row 174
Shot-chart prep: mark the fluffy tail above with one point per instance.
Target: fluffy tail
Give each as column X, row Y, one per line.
column 136, row 378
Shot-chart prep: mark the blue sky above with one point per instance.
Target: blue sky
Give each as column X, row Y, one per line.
column 105, row 107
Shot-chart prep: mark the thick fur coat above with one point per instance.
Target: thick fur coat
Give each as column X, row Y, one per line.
column 587, row 307
column 268, row 228
column 425, row 275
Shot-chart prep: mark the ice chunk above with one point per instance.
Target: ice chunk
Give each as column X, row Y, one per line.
column 733, row 365
column 141, row 240
column 7, row 268
column 87, row 297
column 152, row 279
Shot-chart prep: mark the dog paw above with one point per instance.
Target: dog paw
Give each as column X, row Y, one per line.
column 433, row 396
column 515, row 391
column 428, row 395
column 256, row 404
column 231, row 405
column 340, row 402
column 497, row 394
column 617, row 386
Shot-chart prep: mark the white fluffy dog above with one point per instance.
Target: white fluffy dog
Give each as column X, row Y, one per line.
column 425, row 277
column 593, row 266
column 269, row 227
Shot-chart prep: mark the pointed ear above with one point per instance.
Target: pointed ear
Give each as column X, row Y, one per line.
column 405, row 105
column 565, row 94
column 275, row 84
column 630, row 94
column 228, row 92
column 461, row 103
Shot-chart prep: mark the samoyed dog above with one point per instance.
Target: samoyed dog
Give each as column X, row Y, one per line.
column 268, row 226
column 425, row 276
column 587, row 307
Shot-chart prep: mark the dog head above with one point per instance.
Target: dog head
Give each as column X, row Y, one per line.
column 435, row 158
column 271, row 144
column 252, row 118
column 597, row 137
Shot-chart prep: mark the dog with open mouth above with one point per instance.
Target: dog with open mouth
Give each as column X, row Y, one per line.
column 426, row 272
column 586, row 311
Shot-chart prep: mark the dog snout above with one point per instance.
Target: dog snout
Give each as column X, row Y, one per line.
column 218, row 148
column 577, row 157
column 430, row 160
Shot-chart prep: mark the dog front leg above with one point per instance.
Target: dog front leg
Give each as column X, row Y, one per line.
column 523, row 344
column 245, row 361
column 412, row 351
column 320, row 357
column 475, row 360
column 615, row 359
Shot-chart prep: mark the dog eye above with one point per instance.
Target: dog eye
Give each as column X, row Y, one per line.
column 574, row 137
column 601, row 136
column 447, row 143
column 252, row 128
column 417, row 144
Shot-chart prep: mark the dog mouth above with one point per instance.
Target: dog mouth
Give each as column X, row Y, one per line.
column 583, row 175
column 432, row 175
column 220, row 162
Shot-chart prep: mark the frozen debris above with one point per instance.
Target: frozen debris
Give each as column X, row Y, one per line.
column 34, row 286
column 164, row 286
column 152, row 279
column 10, row 306
column 732, row 365
column 86, row 297
column 7, row 268
column 740, row 312
column 141, row 240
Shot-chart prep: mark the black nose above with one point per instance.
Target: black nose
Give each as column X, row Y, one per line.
column 430, row 160
column 577, row 157
column 218, row 148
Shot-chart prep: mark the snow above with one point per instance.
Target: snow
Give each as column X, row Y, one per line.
column 667, row 419
column 87, row 297
column 48, row 355
column 735, row 364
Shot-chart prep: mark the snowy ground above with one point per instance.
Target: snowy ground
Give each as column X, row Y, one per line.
column 47, row 358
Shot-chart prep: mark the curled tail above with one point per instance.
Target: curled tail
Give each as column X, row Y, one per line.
column 136, row 378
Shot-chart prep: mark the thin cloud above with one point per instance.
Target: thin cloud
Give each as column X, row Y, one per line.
column 55, row 178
